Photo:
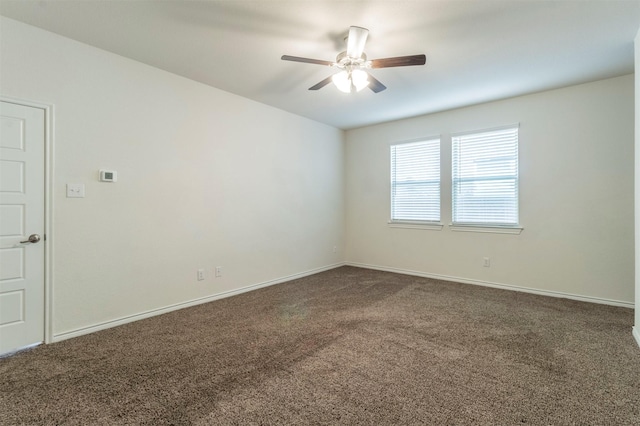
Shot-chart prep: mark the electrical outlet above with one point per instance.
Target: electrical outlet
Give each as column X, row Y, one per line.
column 335, row 249
column 218, row 271
column 200, row 274
column 75, row 190
column 486, row 262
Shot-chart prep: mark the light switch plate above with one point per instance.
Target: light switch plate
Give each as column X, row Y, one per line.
column 75, row 190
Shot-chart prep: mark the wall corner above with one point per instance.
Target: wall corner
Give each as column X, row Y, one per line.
column 636, row 329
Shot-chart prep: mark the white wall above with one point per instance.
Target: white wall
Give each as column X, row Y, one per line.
column 205, row 179
column 576, row 196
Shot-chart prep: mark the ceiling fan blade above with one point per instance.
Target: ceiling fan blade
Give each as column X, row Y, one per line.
column 375, row 85
column 356, row 41
column 321, row 84
column 400, row 61
column 306, row 60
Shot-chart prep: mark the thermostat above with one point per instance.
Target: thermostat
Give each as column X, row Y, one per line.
column 108, row 176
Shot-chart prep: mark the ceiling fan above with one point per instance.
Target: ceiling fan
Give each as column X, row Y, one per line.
column 353, row 64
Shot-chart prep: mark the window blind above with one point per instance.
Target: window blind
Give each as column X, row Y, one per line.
column 485, row 178
column 415, row 181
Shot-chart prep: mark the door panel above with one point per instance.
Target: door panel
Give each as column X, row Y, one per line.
column 22, row 137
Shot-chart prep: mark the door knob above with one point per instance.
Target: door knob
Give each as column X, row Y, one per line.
column 33, row 238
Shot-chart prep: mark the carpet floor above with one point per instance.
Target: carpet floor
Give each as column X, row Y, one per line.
column 347, row 346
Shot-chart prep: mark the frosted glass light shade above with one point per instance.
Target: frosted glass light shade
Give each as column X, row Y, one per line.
column 360, row 79
column 353, row 81
column 342, row 81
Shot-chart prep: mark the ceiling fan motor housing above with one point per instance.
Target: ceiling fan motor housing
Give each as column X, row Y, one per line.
column 344, row 61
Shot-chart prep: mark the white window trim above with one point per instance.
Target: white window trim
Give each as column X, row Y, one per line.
column 480, row 227
column 487, row 229
column 431, row 226
column 408, row 224
column 485, row 130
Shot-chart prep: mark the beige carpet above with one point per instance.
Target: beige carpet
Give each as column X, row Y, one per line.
column 347, row 346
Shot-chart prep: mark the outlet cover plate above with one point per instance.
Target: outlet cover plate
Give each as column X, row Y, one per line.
column 75, row 190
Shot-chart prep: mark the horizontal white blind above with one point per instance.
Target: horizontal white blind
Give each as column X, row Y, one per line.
column 485, row 178
column 415, row 181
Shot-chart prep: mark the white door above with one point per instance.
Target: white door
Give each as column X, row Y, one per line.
column 22, row 212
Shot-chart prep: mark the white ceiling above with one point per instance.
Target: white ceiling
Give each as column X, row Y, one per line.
column 477, row 50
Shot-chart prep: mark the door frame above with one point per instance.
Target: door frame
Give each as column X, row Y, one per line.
column 48, row 206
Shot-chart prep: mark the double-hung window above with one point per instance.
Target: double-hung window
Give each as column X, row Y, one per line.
column 485, row 178
column 415, row 182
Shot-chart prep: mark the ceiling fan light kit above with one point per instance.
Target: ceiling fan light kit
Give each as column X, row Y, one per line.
column 353, row 81
column 353, row 64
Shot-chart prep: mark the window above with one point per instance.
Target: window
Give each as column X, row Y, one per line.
column 485, row 178
column 415, row 181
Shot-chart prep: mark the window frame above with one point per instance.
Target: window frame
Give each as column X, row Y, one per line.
column 408, row 223
column 487, row 226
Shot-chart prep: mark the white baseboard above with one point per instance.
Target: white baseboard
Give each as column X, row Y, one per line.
column 497, row 285
column 151, row 313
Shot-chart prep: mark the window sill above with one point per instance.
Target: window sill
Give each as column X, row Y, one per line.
column 432, row 226
column 515, row 230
